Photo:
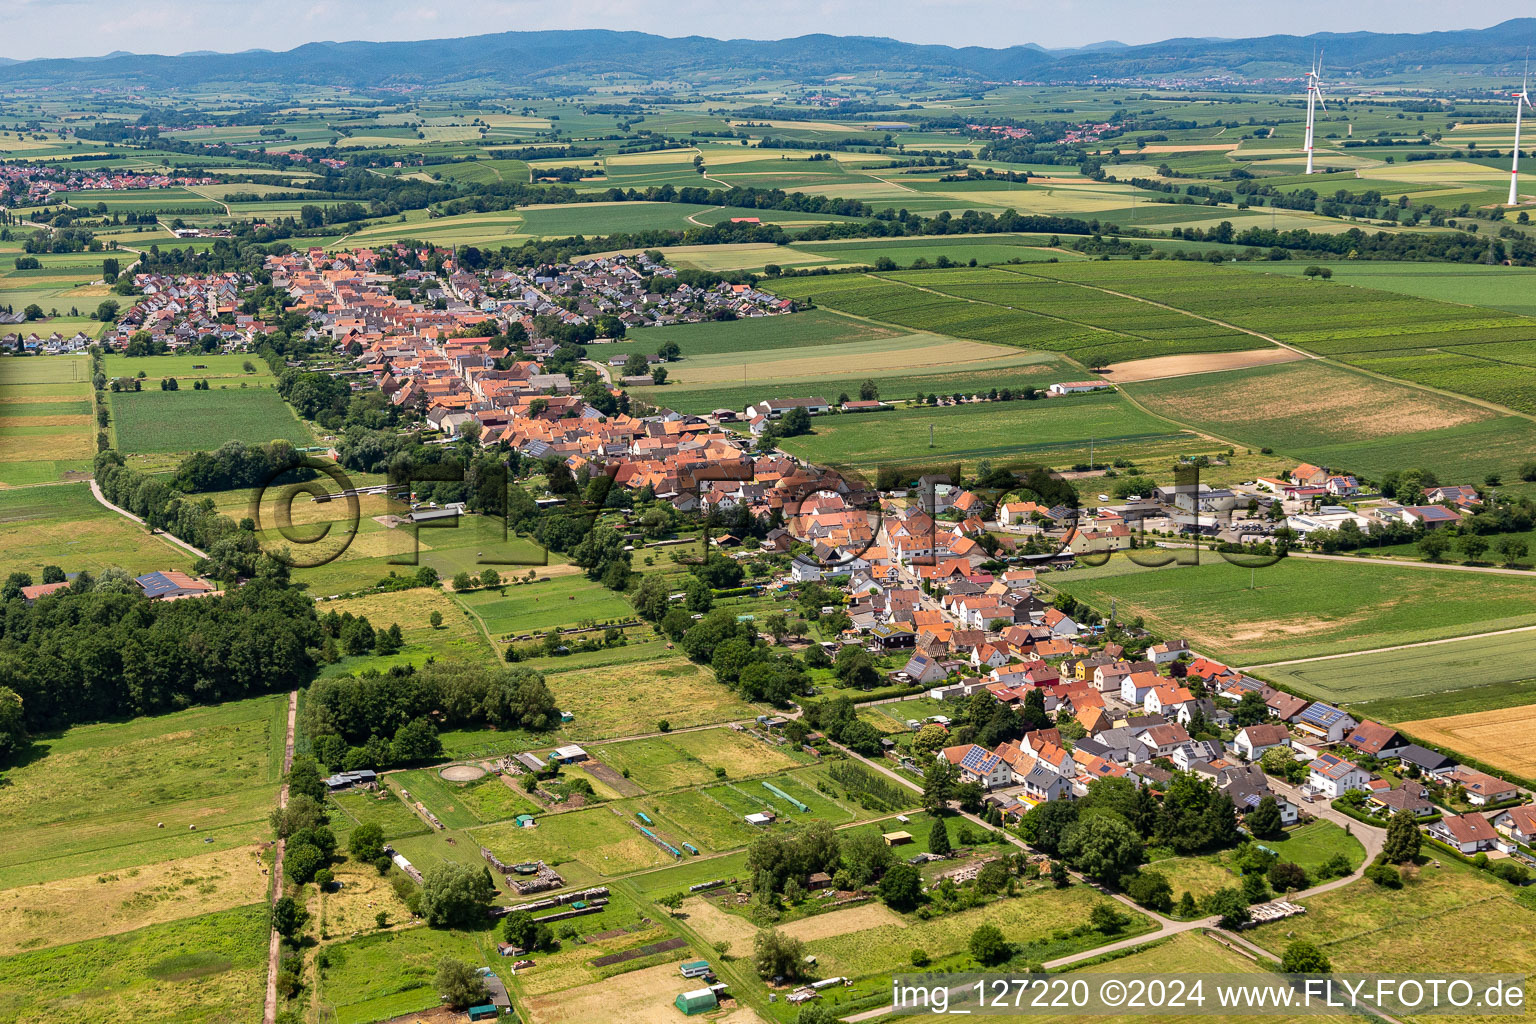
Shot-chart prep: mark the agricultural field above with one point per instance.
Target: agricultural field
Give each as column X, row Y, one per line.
column 218, row 369
column 1506, row 288
column 1334, row 416
column 185, row 784
column 1301, row 608
column 159, row 422
column 1049, row 431
column 1498, row 737
column 1412, row 677
column 65, row 525
column 1012, row 306
column 185, row 972
column 47, row 422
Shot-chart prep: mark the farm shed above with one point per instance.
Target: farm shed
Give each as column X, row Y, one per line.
column 568, row 755
column 698, row 1001
column 486, row 1012
column 897, row 838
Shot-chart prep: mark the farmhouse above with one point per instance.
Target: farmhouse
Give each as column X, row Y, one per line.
column 171, row 584
column 1077, row 387
column 774, row 408
column 37, row 590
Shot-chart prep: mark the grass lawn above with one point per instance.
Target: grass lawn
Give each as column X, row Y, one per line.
column 601, row 838
column 93, row 798
column 1303, row 608
column 158, row 421
column 565, row 600
column 438, row 795
column 184, row 972
column 1314, row 843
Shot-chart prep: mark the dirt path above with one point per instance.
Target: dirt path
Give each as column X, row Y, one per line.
column 168, row 538
column 693, row 218
column 274, row 943
column 1396, row 647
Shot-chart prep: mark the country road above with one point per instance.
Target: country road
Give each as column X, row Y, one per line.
column 275, row 942
column 168, row 538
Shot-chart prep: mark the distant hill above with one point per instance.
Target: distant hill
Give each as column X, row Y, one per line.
column 512, row 57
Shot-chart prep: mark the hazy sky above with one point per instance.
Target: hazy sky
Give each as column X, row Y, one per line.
column 69, row 28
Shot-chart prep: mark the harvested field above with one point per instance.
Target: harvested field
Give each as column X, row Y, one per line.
column 1501, row 738
column 841, row 922
column 718, row 926
column 1193, row 147
column 88, row 907
column 1196, row 362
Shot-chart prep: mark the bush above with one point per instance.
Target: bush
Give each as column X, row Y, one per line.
column 988, row 946
column 1385, row 875
column 1151, row 889
column 920, row 958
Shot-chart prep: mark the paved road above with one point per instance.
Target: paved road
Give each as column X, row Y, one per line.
column 274, row 943
column 198, row 552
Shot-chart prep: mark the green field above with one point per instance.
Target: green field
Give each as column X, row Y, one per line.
column 1506, row 288
column 1301, row 608
column 379, row 976
column 1416, row 678
column 156, row 422
column 65, row 525
column 1051, row 431
column 1011, row 306
column 559, row 601
column 1337, row 417
column 690, row 758
column 94, row 798
column 191, row 971
column 217, row 368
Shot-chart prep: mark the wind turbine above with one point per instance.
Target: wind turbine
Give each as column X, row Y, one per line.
column 1314, row 99
column 1522, row 100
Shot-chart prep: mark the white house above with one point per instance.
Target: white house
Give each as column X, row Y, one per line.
column 1162, row 654
column 1333, row 776
column 1468, row 833
column 1251, row 741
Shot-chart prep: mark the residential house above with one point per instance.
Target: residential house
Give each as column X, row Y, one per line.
column 1410, row 797
column 1376, row 740
column 1251, row 741
column 1163, row 740
column 1135, row 687
column 1285, row 706
column 978, row 764
column 1168, row 651
column 1333, row 776
column 922, row 669
column 1326, row 722
column 1431, row 763
column 1518, row 823
column 1481, row 788
column 1469, row 833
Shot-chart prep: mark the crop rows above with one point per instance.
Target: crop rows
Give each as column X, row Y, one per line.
column 1504, row 383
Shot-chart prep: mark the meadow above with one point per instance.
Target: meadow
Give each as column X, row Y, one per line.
column 691, row 758
column 630, row 699
column 65, row 525
column 184, row 784
column 1442, row 916
column 218, row 368
column 388, row 973
column 198, row 969
column 159, row 422
column 1310, row 845
column 1299, row 608
column 458, row 638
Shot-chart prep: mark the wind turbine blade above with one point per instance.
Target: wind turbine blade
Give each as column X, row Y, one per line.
column 1320, row 100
